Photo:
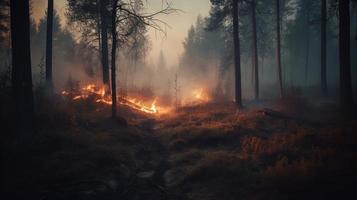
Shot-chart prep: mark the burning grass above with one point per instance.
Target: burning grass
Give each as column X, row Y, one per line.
column 101, row 96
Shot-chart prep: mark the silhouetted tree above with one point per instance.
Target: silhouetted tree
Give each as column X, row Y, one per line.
column 307, row 12
column 92, row 18
column 49, row 45
column 126, row 18
column 137, row 49
column 346, row 98
column 278, row 48
column 114, row 49
column 323, row 46
column 255, row 50
column 237, row 64
column 21, row 64
column 104, row 41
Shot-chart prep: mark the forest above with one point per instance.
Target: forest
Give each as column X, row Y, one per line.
column 178, row 99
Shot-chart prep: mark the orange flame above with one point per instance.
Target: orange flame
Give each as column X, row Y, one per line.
column 201, row 95
column 101, row 97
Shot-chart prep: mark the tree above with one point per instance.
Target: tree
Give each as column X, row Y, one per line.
column 114, row 49
column 136, row 51
column 21, row 64
column 237, row 67
column 91, row 18
column 126, row 19
column 49, row 46
column 104, row 41
column 323, row 46
column 346, row 98
column 265, row 32
column 278, row 48
column 307, row 12
column 221, row 20
column 255, row 50
column 94, row 22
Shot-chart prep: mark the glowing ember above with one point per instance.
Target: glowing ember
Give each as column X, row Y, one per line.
column 77, row 97
column 64, row 93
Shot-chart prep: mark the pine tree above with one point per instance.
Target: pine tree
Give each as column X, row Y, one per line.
column 49, row 46
column 21, row 65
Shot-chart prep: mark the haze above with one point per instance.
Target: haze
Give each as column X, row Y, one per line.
column 176, row 31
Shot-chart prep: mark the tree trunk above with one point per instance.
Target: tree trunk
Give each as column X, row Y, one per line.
column 21, row 65
column 104, row 42
column 114, row 48
column 323, row 47
column 238, row 89
column 255, row 51
column 346, row 99
column 49, row 46
column 262, row 67
column 307, row 54
column 307, row 45
column 278, row 54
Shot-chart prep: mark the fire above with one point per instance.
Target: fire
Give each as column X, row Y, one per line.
column 139, row 105
column 91, row 88
column 201, row 95
column 102, row 97
column 77, row 97
column 105, row 101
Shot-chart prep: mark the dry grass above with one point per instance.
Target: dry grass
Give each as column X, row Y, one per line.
column 214, row 152
column 75, row 145
column 219, row 153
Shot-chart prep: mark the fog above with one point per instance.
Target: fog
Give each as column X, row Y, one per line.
column 175, row 64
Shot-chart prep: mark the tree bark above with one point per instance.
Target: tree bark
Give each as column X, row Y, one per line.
column 237, row 67
column 323, row 47
column 21, row 65
column 307, row 45
column 346, row 99
column 49, row 45
column 104, row 42
column 255, row 51
column 114, row 48
column 278, row 54
column 307, row 54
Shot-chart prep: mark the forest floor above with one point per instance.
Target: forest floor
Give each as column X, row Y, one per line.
column 288, row 149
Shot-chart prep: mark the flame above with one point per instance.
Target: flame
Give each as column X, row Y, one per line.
column 198, row 93
column 77, row 97
column 102, row 97
column 139, row 105
column 105, row 101
column 153, row 106
column 201, row 95
column 91, row 88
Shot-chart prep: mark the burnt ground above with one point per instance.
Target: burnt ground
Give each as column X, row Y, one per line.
column 289, row 149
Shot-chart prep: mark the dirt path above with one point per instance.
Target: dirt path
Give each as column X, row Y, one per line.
column 148, row 181
column 142, row 177
column 152, row 182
